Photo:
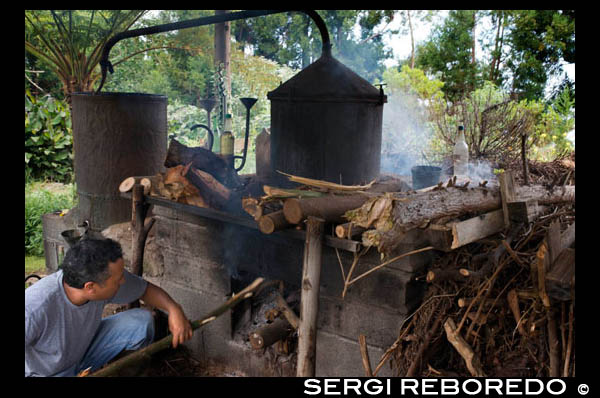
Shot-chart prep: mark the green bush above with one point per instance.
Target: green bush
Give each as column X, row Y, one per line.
column 48, row 139
column 40, row 200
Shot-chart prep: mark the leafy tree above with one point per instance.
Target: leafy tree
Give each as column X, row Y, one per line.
column 70, row 42
column 539, row 41
column 449, row 54
column 292, row 39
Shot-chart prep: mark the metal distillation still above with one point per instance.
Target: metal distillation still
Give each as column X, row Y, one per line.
column 209, row 104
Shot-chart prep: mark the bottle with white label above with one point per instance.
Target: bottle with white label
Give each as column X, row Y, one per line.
column 461, row 153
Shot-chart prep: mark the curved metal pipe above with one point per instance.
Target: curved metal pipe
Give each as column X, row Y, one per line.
column 211, row 137
column 106, row 65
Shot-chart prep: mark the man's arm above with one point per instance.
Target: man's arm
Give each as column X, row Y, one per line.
column 179, row 325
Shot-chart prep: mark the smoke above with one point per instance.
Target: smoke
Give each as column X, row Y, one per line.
column 406, row 138
column 405, row 134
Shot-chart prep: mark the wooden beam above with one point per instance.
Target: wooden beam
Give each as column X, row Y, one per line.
column 507, row 192
column 561, row 278
column 309, row 304
column 523, row 211
column 458, row 234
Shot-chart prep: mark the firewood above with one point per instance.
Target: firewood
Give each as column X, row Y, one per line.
column 253, row 207
column 348, row 230
column 269, row 223
column 412, row 210
column 364, row 353
column 330, row 208
column 463, row 348
column 287, row 312
column 129, row 182
column 270, row 333
column 513, row 303
column 202, row 159
column 214, row 193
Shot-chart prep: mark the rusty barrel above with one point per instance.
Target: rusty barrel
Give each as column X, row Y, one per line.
column 115, row 136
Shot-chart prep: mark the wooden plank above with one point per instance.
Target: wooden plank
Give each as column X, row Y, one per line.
column 507, row 192
column 523, row 211
column 560, row 279
column 476, row 228
column 553, row 240
column 454, row 235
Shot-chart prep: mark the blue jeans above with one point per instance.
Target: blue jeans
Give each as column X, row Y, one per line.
column 127, row 330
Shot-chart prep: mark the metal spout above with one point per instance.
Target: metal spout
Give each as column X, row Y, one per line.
column 248, row 103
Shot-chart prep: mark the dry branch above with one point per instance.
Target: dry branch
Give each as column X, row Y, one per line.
column 464, row 349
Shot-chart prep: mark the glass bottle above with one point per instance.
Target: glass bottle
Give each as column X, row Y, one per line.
column 461, row 153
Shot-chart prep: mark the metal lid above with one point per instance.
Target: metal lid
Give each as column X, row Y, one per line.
column 327, row 80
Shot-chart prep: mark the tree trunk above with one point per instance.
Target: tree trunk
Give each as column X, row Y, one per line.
column 412, row 41
column 330, row 207
column 413, row 210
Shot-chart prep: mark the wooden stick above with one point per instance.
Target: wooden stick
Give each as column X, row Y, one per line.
column 287, row 312
column 134, row 357
column 416, row 364
column 348, row 230
column 389, row 262
column 553, row 343
column 569, row 343
column 464, row 349
column 364, row 353
column 309, row 304
column 513, row 303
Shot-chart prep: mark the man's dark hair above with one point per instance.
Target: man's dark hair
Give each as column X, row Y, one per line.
column 87, row 261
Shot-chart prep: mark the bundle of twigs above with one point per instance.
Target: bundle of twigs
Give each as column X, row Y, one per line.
column 489, row 319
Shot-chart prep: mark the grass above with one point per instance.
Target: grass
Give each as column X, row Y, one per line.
column 42, row 198
column 35, row 264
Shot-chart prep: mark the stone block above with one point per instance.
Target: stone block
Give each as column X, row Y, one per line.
column 340, row 357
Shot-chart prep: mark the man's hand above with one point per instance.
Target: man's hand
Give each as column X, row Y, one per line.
column 180, row 327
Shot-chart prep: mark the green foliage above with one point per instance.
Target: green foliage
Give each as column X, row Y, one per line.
column 39, row 200
column 70, row 42
column 448, row 54
column 48, row 139
column 493, row 121
column 539, row 40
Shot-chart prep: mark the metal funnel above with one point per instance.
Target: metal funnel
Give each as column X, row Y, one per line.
column 248, row 102
column 208, row 104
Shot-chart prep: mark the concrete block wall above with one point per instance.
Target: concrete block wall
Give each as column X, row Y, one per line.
column 205, row 259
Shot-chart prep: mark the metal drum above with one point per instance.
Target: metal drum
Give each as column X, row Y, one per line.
column 115, row 136
column 326, row 124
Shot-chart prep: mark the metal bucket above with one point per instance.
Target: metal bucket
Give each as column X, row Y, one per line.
column 425, row 176
column 115, row 136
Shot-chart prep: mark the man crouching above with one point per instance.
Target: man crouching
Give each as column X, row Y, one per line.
column 64, row 329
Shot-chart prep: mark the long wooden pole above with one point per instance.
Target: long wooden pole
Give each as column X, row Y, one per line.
column 309, row 304
column 134, row 357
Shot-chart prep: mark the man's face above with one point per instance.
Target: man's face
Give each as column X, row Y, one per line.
column 108, row 289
